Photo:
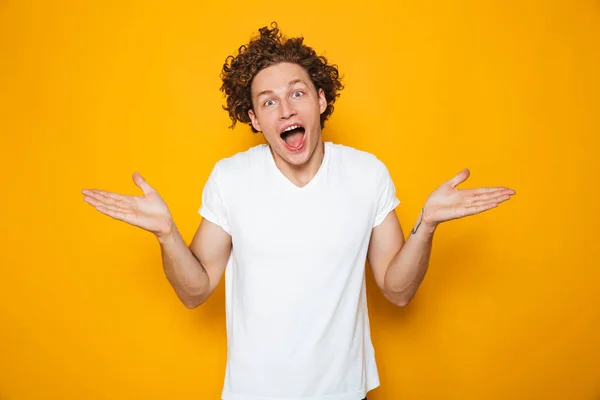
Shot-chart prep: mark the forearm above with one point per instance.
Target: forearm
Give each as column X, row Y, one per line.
column 408, row 267
column 184, row 272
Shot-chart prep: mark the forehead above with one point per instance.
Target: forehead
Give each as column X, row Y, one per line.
column 277, row 77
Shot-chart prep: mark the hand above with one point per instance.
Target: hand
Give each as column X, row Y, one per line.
column 447, row 202
column 149, row 212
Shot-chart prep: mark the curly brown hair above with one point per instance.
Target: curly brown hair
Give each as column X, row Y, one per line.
column 270, row 47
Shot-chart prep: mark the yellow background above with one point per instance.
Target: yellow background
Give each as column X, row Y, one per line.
column 92, row 91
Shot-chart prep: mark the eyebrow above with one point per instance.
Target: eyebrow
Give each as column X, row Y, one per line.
column 291, row 83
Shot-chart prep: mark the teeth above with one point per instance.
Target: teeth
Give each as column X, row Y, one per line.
column 291, row 127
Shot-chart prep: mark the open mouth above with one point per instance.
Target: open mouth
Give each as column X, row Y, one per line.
column 293, row 137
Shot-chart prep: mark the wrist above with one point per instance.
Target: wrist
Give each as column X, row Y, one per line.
column 426, row 221
column 424, row 225
column 429, row 227
column 167, row 234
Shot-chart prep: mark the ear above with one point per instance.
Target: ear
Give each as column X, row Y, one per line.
column 322, row 101
column 254, row 120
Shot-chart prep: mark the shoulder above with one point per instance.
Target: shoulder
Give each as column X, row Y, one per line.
column 352, row 159
column 236, row 165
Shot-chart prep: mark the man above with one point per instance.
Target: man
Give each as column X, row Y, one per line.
column 292, row 223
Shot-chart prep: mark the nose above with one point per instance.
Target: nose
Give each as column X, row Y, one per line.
column 286, row 110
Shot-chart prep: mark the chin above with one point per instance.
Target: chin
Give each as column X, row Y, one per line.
column 296, row 159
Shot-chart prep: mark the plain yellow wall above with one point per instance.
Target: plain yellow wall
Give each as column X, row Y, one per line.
column 92, row 91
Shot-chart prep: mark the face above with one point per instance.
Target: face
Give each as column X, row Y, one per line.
column 287, row 110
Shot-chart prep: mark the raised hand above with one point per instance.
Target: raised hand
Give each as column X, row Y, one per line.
column 447, row 202
column 149, row 212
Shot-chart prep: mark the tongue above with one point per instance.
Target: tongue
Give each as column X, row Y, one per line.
column 294, row 139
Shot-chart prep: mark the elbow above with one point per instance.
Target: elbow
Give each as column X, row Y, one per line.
column 192, row 302
column 401, row 302
column 398, row 299
column 193, row 296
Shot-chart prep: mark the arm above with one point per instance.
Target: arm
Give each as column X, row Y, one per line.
column 398, row 266
column 195, row 271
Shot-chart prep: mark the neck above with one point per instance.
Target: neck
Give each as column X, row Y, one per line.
column 301, row 175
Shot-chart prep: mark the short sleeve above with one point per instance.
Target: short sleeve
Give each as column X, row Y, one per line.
column 386, row 194
column 213, row 207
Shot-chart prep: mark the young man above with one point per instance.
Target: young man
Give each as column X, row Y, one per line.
column 292, row 223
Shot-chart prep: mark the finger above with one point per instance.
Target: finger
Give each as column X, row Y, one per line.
column 141, row 183
column 114, row 213
column 460, row 177
column 105, row 194
column 486, row 202
column 483, row 205
column 94, row 200
column 490, row 190
column 492, row 196
column 472, row 210
column 110, row 206
column 110, row 198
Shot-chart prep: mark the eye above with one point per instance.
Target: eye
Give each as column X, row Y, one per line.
column 298, row 94
column 268, row 103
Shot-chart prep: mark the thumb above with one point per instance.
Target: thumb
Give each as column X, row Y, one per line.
column 460, row 177
column 141, row 183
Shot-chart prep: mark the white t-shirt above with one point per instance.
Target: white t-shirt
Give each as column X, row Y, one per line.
column 296, row 308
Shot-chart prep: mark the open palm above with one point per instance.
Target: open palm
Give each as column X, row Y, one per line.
column 447, row 202
column 149, row 212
